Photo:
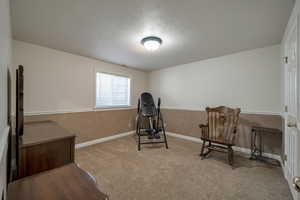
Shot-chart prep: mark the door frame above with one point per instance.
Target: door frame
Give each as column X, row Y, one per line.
column 294, row 21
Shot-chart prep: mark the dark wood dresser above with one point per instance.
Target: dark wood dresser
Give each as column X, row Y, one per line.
column 63, row 183
column 44, row 146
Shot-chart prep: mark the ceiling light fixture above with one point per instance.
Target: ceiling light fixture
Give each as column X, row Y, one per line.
column 151, row 43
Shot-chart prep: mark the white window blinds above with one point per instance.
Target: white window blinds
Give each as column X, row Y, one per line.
column 112, row 90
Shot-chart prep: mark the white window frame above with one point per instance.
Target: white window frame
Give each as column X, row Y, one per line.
column 111, row 107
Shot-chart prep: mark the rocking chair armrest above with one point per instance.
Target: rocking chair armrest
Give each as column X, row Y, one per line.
column 204, row 130
column 235, row 130
column 203, row 126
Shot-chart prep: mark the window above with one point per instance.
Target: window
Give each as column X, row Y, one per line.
column 112, row 90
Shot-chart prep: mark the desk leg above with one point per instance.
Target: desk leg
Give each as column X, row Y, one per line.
column 252, row 145
column 260, row 144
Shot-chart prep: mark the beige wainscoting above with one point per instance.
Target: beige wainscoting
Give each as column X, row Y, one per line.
column 186, row 122
column 92, row 125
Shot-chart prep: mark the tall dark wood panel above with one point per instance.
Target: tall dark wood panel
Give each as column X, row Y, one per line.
column 19, row 116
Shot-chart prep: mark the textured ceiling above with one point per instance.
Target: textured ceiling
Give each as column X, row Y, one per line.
column 111, row 30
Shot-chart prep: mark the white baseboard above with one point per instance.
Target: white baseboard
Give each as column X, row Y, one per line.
column 267, row 155
column 240, row 149
column 190, row 138
column 105, row 139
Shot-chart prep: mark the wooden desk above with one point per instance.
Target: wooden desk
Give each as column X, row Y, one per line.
column 44, row 146
column 64, row 183
column 257, row 143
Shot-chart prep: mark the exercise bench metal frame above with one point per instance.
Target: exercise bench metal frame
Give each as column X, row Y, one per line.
column 148, row 114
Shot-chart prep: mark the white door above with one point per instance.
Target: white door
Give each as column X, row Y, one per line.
column 292, row 142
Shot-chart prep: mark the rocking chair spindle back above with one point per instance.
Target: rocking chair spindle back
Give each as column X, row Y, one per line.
column 220, row 130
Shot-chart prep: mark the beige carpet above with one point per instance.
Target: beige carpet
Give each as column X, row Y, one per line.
column 178, row 173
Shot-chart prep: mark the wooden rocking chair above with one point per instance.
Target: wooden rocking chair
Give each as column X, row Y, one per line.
column 220, row 131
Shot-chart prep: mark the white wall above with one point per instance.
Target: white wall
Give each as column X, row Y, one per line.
column 5, row 58
column 249, row 80
column 57, row 81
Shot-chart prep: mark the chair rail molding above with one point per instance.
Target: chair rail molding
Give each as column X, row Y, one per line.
column 242, row 111
column 51, row 112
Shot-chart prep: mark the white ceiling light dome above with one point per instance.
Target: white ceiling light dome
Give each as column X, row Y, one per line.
column 151, row 43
